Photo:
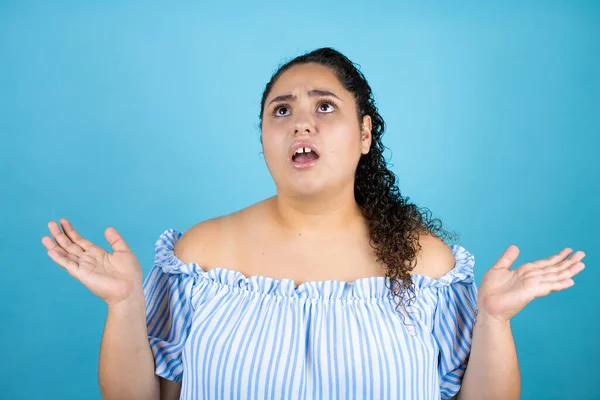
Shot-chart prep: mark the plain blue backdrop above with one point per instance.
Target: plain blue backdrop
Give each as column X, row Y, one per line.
column 144, row 116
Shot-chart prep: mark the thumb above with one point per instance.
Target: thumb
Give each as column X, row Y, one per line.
column 507, row 258
column 115, row 240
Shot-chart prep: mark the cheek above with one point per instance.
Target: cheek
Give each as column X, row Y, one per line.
column 273, row 144
column 342, row 154
column 343, row 145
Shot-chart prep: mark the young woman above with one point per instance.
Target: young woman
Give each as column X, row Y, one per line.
column 335, row 287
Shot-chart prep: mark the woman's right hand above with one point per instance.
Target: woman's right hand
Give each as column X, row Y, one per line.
column 114, row 277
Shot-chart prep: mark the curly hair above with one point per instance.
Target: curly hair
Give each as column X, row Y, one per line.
column 394, row 223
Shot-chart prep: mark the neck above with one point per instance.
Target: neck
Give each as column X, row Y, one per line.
column 311, row 216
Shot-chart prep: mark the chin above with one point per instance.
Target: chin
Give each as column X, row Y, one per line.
column 310, row 189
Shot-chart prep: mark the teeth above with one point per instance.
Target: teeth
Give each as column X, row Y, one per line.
column 303, row 150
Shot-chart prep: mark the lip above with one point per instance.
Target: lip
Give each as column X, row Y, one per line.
column 302, row 165
column 297, row 145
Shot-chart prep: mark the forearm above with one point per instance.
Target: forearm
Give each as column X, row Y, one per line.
column 126, row 367
column 493, row 369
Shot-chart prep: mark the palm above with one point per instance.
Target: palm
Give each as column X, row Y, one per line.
column 110, row 276
column 503, row 292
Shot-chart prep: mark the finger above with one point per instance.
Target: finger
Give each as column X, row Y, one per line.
column 115, row 240
column 546, row 288
column 566, row 273
column 71, row 266
column 565, row 264
column 76, row 238
column 507, row 258
column 63, row 240
column 554, row 259
column 51, row 245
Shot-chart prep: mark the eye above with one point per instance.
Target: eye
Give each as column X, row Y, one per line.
column 281, row 107
column 326, row 103
column 324, row 106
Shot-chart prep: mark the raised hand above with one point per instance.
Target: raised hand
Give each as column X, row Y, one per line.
column 503, row 292
column 113, row 277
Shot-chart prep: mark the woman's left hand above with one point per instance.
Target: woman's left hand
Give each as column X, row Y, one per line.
column 503, row 292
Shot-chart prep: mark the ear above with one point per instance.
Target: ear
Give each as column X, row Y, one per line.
column 366, row 137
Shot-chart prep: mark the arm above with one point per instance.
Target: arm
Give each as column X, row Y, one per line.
column 126, row 367
column 126, row 362
column 493, row 370
column 169, row 390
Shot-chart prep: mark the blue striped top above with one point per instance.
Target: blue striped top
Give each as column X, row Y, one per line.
column 228, row 336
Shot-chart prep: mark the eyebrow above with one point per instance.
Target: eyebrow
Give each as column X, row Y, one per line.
column 311, row 93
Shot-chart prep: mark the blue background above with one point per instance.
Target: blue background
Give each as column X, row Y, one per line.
column 145, row 117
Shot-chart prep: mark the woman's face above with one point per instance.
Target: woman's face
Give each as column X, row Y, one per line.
column 318, row 110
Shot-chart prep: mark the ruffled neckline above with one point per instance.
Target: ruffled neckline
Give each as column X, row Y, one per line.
column 362, row 288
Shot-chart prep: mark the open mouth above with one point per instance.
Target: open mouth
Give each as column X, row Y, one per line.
column 304, row 155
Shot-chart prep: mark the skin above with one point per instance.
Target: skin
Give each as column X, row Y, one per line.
column 321, row 198
column 315, row 209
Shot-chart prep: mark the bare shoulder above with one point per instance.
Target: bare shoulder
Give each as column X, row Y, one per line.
column 435, row 258
column 204, row 243
column 203, row 239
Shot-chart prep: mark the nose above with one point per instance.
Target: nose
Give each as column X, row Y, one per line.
column 304, row 125
column 303, row 129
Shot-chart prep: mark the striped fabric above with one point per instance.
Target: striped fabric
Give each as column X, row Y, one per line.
column 227, row 336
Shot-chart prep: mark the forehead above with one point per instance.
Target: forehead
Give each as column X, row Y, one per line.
column 301, row 78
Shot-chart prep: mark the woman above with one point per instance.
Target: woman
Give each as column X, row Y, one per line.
column 336, row 287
